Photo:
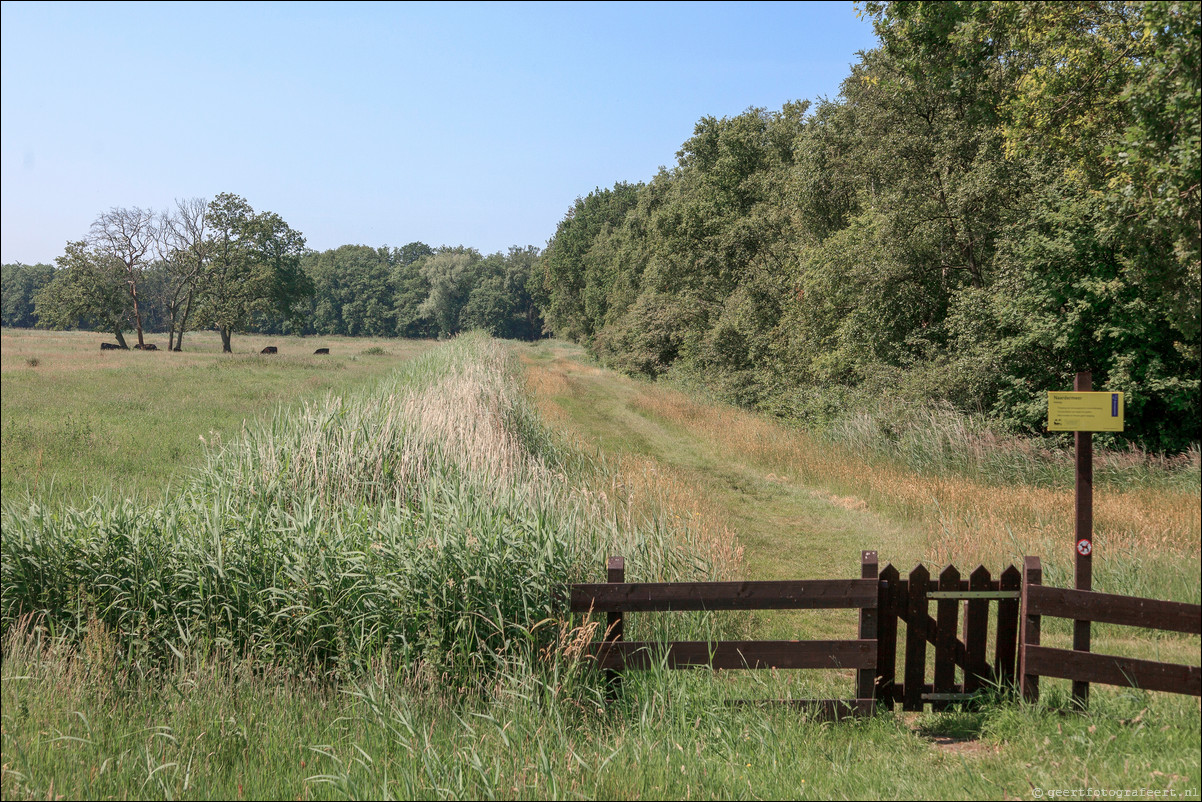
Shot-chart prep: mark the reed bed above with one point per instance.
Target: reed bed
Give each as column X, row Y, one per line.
column 429, row 524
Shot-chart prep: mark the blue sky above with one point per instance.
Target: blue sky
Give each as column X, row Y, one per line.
column 472, row 124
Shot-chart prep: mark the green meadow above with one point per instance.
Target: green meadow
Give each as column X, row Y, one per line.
column 352, row 587
column 80, row 421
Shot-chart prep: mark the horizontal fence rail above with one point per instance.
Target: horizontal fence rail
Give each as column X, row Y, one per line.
column 1083, row 666
column 617, row 597
column 1113, row 670
column 818, row 594
column 736, row 655
column 1105, row 608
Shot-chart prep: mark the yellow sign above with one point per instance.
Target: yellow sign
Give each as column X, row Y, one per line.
column 1085, row 412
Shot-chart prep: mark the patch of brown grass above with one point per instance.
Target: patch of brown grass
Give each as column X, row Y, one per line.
column 966, row 519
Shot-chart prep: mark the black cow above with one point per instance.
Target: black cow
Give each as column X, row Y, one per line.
column 147, row 347
column 113, row 347
column 271, row 349
column 321, row 351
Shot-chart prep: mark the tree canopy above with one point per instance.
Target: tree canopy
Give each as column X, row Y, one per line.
column 1002, row 194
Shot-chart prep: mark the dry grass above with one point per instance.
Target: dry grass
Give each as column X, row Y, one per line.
column 633, row 489
column 1142, row 529
column 966, row 520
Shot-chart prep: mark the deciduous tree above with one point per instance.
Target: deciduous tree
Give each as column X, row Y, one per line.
column 89, row 288
column 253, row 266
column 129, row 236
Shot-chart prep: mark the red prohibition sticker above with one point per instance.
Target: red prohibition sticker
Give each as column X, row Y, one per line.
column 1084, row 547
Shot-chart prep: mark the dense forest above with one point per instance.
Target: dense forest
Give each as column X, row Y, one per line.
column 1001, row 195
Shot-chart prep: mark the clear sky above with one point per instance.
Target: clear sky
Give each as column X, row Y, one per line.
column 472, row 124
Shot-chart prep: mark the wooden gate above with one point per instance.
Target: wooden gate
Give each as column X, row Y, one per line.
column 958, row 633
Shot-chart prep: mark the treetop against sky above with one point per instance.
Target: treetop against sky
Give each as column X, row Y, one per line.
column 380, row 123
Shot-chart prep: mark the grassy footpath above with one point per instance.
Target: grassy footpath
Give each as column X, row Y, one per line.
column 803, row 505
column 651, row 470
column 79, row 421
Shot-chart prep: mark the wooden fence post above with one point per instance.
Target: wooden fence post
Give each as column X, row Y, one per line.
column 866, row 681
column 614, row 625
column 1082, row 532
column 1028, row 684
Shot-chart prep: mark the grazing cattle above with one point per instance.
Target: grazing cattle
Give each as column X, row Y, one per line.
column 321, row 351
column 271, row 349
column 113, row 347
column 147, row 347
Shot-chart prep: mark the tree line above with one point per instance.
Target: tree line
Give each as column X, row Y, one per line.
column 1002, row 194
column 221, row 265
column 419, row 291
column 216, row 264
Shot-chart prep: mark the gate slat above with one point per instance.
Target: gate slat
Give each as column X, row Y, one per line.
column 916, row 638
column 1005, row 655
column 947, row 613
column 976, row 632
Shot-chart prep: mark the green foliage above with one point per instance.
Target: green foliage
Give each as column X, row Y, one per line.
column 1003, row 194
column 565, row 263
column 417, row 291
column 352, row 291
column 88, row 288
column 19, row 284
column 499, row 301
column 253, row 268
column 450, row 274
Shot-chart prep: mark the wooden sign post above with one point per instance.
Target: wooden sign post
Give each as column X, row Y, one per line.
column 1083, row 531
column 1084, row 412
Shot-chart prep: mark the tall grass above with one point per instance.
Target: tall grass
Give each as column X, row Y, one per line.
column 216, row 729
column 939, row 440
column 431, row 523
column 969, row 498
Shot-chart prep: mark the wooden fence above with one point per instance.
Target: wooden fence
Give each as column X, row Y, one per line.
column 617, row 597
column 958, row 632
column 1104, row 608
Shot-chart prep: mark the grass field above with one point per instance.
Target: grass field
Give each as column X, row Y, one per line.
column 79, row 421
column 500, row 489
